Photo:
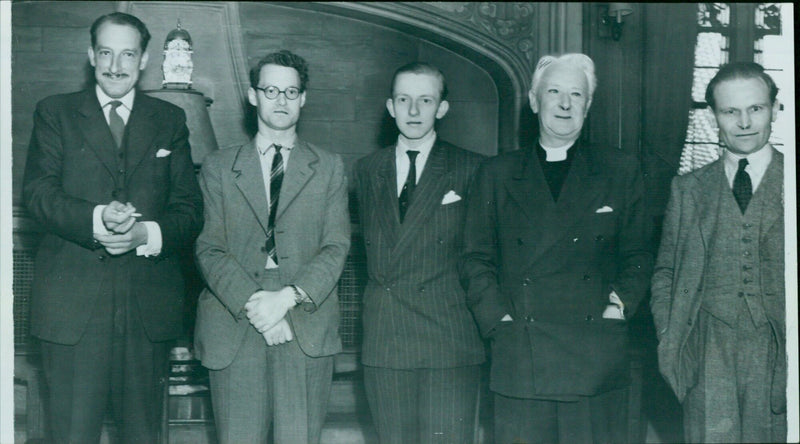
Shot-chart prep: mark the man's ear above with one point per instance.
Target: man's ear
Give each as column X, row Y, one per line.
column 302, row 99
column 251, row 96
column 143, row 62
column 444, row 106
column 533, row 101
column 92, row 60
column 390, row 107
column 775, row 108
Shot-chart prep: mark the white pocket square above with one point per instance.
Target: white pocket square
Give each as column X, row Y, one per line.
column 450, row 197
column 604, row 209
column 163, row 153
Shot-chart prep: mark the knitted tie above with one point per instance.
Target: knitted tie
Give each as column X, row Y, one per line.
column 411, row 182
column 115, row 123
column 275, row 181
column 742, row 186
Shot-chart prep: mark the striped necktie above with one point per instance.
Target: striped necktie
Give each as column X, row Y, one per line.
column 275, row 182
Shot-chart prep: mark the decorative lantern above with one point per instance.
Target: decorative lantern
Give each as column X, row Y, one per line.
column 177, row 65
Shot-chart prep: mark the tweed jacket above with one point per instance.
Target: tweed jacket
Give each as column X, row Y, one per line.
column 415, row 313
column 551, row 266
column 312, row 237
column 677, row 293
column 74, row 165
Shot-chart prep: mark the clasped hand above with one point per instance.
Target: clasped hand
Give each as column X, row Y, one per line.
column 126, row 234
column 264, row 309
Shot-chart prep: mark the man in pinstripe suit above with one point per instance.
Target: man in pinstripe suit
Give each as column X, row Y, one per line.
column 421, row 351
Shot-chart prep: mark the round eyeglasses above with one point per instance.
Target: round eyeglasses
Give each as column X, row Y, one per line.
column 272, row 92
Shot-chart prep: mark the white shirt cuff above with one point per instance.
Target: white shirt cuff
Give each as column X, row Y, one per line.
column 98, row 227
column 154, row 240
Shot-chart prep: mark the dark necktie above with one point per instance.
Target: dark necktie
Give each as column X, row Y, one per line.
column 275, row 181
column 115, row 123
column 742, row 186
column 411, row 182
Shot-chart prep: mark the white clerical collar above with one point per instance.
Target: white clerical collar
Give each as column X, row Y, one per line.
column 558, row 153
column 104, row 99
column 424, row 147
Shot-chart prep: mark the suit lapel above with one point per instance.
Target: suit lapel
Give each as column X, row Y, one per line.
column 140, row 131
column 772, row 188
column 250, row 181
column 427, row 195
column 298, row 172
column 95, row 129
column 708, row 194
column 579, row 198
column 385, row 195
column 526, row 185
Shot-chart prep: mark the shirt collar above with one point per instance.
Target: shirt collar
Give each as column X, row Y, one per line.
column 264, row 143
column 758, row 161
column 104, row 99
column 424, row 148
column 558, row 153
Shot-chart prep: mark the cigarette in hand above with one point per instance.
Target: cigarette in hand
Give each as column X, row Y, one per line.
column 136, row 215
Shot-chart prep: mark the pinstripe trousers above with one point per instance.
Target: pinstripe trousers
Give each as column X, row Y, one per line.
column 435, row 405
column 276, row 385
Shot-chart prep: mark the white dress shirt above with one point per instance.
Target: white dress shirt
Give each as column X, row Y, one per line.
column 757, row 164
column 402, row 161
column 154, row 239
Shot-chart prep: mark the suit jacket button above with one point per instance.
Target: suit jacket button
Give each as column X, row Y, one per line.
column 440, row 241
column 529, row 318
column 101, row 257
column 255, row 274
column 599, row 238
column 422, row 289
column 689, row 322
column 526, row 282
column 589, row 317
column 586, row 277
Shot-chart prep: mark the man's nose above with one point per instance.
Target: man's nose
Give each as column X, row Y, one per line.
column 744, row 120
column 564, row 102
column 115, row 63
column 413, row 108
column 281, row 98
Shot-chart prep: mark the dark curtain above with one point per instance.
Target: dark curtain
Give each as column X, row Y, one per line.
column 670, row 33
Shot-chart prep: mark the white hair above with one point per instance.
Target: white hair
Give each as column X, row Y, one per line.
column 581, row 61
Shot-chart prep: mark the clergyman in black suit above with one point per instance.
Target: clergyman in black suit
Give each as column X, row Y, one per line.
column 557, row 257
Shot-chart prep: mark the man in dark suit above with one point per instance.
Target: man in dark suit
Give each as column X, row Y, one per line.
column 557, row 255
column 108, row 292
column 718, row 293
column 421, row 349
column 276, row 236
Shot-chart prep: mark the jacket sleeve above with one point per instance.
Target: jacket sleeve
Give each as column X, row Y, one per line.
column 634, row 239
column 181, row 219
column 224, row 274
column 62, row 214
column 319, row 276
column 663, row 276
column 478, row 266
